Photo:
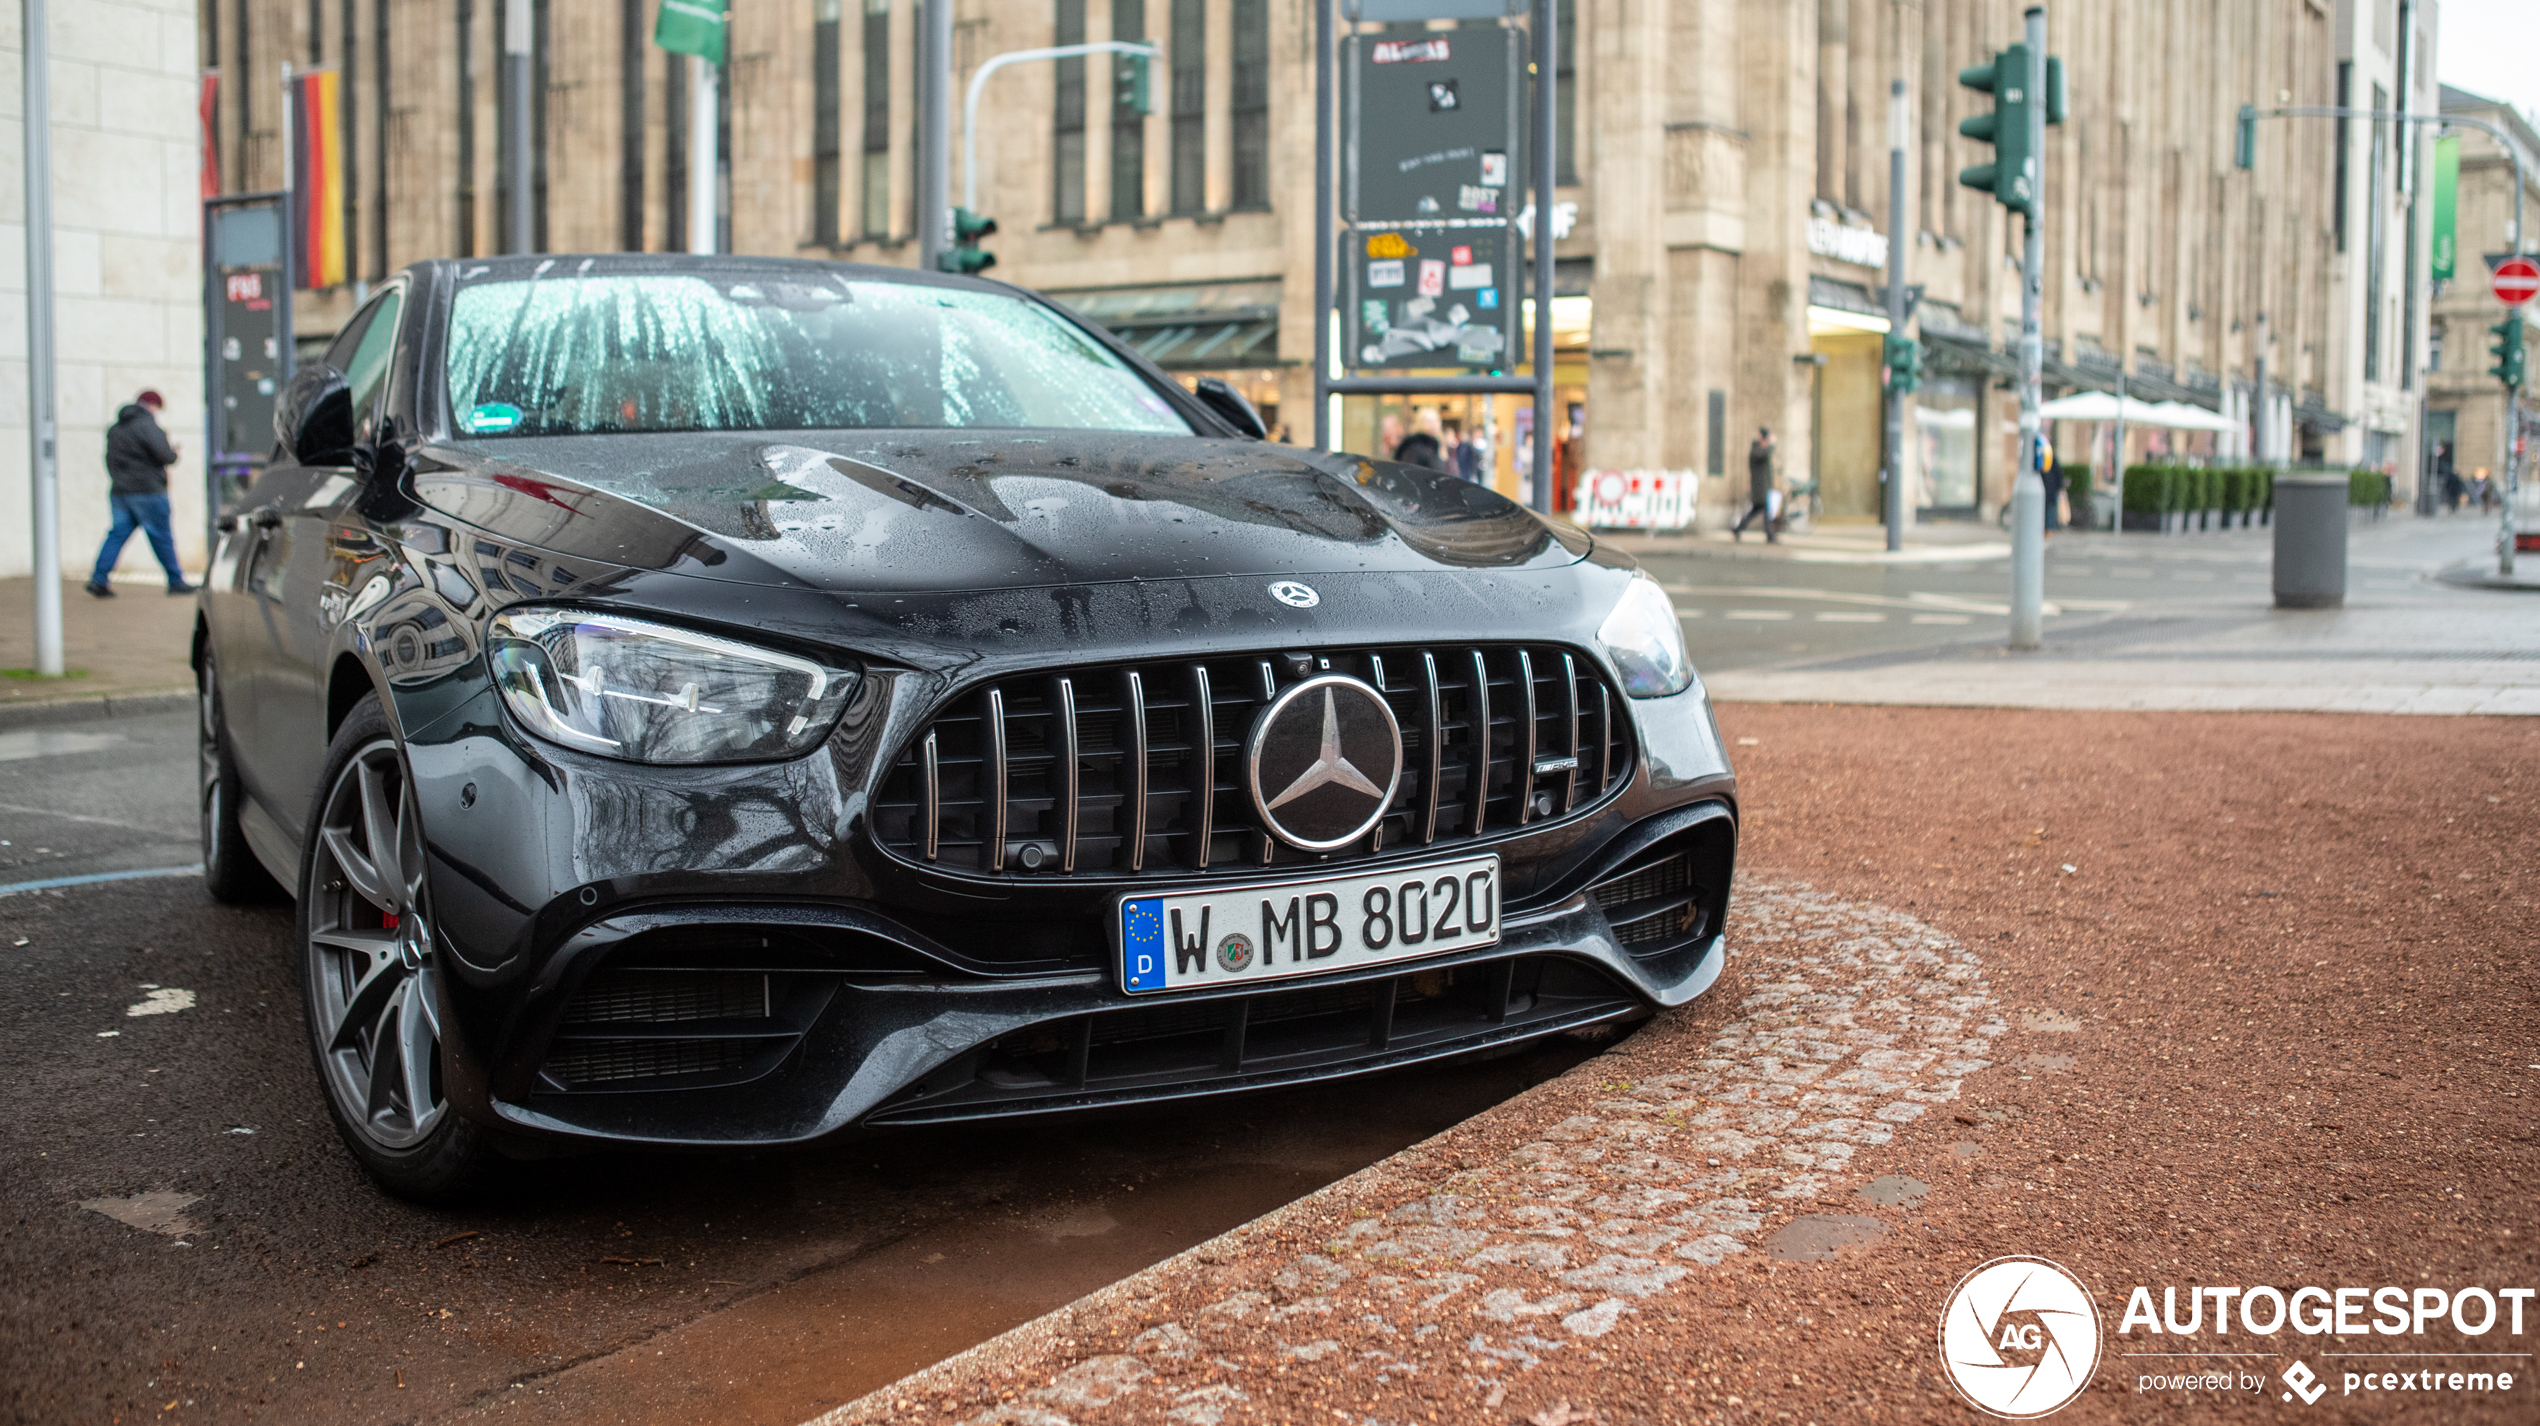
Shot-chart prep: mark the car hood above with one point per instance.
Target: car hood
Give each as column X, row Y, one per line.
column 956, row 510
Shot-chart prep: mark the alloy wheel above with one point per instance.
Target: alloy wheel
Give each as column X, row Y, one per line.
column 372, row 961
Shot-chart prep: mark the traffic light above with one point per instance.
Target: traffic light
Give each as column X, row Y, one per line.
column 2012, row 176
column 2244, row 148
column 2507, row 349
column 965, row 256
column 1904, row 364
column 1135, row 84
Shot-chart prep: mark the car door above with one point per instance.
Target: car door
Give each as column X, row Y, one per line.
column 298, row 580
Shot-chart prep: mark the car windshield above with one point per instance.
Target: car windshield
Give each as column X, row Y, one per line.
column 573, row 355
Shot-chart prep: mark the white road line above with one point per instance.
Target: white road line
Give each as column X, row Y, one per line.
column 1757, row 614
column 1941, row 618
column 1835, row 616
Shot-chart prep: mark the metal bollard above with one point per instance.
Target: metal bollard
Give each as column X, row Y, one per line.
column 2310, row 541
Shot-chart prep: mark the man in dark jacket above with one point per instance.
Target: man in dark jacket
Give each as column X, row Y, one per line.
column 1759, row 488
column 137, row 459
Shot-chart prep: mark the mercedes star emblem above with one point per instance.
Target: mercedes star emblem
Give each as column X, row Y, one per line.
column 1294, row 594
column 1321, row 762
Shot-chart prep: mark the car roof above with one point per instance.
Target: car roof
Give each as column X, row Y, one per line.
column 526, row 266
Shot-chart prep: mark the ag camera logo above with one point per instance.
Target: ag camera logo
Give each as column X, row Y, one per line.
column 2020, row 1338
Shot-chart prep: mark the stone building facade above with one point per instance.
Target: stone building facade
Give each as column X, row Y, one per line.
column 128, row 299
column 1724, row 200
column 2464, row 405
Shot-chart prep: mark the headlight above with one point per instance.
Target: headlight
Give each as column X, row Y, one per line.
column 626, row 688
column 1645, row 641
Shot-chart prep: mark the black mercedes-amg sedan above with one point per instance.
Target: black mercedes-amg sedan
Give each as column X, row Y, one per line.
column 720, row 702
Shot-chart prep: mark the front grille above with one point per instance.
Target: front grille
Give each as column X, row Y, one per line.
column 1135, row 769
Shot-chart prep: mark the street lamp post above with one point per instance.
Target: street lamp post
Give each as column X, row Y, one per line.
column 1896, row 116
column 43, row 468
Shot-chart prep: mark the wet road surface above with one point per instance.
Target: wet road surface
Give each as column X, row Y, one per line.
column 183, row 1238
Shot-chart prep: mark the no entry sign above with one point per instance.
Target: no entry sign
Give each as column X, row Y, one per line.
column 2516, row 280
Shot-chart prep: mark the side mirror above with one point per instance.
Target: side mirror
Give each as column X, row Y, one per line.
column 314, row 418
column 1230, row 406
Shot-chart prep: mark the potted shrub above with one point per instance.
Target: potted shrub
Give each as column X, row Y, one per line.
column 2146, row 498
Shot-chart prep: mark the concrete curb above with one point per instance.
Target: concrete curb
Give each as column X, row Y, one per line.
column 139, row 703
column 2484, row 576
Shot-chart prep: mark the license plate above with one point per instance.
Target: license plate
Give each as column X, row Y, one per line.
column 1252, row 934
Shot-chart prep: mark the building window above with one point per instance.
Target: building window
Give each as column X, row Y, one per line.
column 1565, row 71
column 1252, row 104
column 2337, row 204
column 674, row 175
column 379, row 138
column 1128, row 126
column 824, row 122
column 876, row 178
column 467, row 124
column 2375, row 206
column 1067, row 130
column 630, row 123
column 348, row 132
column 1190, row 106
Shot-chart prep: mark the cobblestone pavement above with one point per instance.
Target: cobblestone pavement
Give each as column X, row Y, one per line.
column 1676, row 1150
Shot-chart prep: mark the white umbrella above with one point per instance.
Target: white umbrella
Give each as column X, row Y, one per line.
column 2180, row 416
column 2104, row 406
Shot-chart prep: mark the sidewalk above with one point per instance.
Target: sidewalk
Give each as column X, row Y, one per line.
column 1946, row 542
column 2407, row 640
column 135, row 645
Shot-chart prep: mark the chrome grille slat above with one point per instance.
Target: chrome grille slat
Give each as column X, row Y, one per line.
column 1203, row 741
column 1578, row 754
column 1129, row 770
column 1477, row 789
column 1604, row 738
column 995, row 730
column 1526, row 763
column 1437, row 748
column 1137, row 700
column 1069, row 789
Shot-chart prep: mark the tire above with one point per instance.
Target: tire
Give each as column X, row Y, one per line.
column 231, row 872
column 370, row 970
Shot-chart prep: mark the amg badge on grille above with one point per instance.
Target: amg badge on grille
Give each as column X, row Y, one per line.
column 1321, row 762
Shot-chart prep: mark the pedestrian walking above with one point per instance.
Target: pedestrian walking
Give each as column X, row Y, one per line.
column 1759, row 488
column 1425, row 446
column 2051, row 471
column 137, row 459
column 2447, row 477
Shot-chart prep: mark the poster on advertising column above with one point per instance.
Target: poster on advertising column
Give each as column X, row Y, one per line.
column 1432, row 189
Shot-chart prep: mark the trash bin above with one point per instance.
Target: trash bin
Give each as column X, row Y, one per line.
column 2310, row 541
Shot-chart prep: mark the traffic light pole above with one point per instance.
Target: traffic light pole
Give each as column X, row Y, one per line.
column 979, row 81
column 2028, row 489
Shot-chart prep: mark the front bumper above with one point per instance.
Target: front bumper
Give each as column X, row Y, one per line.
column 719, row 958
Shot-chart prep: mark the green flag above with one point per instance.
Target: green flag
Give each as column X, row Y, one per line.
column 2447, row 185
column 688, row 27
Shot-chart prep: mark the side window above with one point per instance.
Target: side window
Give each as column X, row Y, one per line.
column 367, row 371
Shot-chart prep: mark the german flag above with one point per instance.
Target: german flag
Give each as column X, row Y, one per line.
column 317, row 180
